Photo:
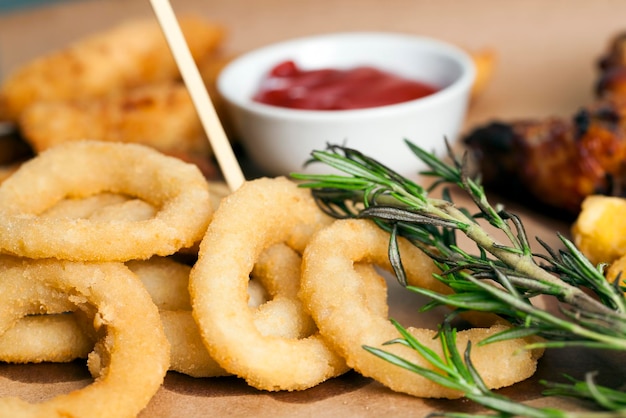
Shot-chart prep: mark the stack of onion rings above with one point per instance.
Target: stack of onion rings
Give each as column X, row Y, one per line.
column 159, row 207
column 63, row 337
column 258, row 303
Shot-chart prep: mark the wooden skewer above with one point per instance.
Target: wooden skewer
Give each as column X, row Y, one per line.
column 204, row 106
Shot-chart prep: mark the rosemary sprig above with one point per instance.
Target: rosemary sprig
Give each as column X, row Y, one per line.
column 502, row 278
column 610, row 399
column 457, row 372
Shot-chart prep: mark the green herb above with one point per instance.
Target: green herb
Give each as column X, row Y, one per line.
column 457, row 372
column 498, row 277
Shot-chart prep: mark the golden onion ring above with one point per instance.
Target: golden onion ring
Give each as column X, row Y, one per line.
column 246, row 223
column 130, row 362
column 45, row 338
column 86, row 168
column 336, row 298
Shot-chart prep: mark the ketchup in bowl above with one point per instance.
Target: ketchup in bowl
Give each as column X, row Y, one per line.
column 333, row 89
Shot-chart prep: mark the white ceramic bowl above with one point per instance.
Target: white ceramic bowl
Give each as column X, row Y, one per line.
column 279, row 140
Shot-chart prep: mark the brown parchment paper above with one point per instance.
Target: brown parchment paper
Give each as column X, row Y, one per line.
column 546, row 57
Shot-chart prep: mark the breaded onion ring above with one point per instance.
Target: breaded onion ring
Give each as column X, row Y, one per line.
column 259, row 214
column 375, row 289
column 85, row 168
column 83, row 208
column 102, row 207
column 166, row 280
column 189, row 355
column 62, row 338
column 45, row 338
column 130, row 362
column 333, row 294
column 278, row 271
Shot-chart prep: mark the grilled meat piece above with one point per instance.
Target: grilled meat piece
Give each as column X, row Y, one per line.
column 612, row 66
column 557, row 161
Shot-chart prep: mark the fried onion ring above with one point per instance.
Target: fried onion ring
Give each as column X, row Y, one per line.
column 189, row 355
column 75, row 208
column 45, row 338
column 166, row 281
column 278, row 271
column 60, row 337
column 333, row 294
column 85, row 168
column 246, row 223
column 132, row 359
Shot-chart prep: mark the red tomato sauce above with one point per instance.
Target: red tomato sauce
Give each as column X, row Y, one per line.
column 332, row 89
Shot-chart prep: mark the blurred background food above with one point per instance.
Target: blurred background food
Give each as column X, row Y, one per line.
column 118, row 84
column 122, row 84
column 131, row 54
column 559, row 161
column 523, row 72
